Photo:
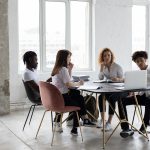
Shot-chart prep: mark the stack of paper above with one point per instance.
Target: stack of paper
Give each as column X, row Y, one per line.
column 81, row 77
column 89, row 87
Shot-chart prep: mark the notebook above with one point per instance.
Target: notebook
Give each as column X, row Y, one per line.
column 135, row 80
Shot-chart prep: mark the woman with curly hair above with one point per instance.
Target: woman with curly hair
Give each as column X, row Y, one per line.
column 110, row 71
column 143, row 98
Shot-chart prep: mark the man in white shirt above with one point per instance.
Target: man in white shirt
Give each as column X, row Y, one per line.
column 30, row 76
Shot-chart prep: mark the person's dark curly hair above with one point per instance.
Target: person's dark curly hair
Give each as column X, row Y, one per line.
column 138, row 54
column 27, row 56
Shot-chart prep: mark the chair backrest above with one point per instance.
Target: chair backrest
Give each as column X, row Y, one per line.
column 31, row 94
column 51, row 97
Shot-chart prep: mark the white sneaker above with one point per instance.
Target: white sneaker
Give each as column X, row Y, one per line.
column 100, row 124
column 58, row 127
column 70, row 122
column 108, row 127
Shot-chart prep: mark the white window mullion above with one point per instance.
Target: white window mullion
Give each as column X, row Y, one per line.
column 148, row 30
column 42, row 34
column 68, row 26
column 45, row 26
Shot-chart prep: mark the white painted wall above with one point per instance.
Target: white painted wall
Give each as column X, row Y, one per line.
column 112, row 29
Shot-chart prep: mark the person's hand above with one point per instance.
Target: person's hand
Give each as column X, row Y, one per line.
column 81, row 82
column 102, row 67
column 117, row 79
column 130, row 94
column 70, row 66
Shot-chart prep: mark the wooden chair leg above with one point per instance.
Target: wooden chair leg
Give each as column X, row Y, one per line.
column 52, row 120
column 54, row 131
column 133, row 116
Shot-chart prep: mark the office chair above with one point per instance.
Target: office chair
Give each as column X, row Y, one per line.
column 34, row 99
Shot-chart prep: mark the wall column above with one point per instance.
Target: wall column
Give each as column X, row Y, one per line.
column 4, row 59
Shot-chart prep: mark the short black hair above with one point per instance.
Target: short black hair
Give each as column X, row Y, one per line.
column 28, row 55
column 138, row 54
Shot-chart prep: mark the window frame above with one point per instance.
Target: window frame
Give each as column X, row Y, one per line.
column 42, row 29
column 147, row 28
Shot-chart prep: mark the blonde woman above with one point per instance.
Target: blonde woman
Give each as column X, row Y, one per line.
column 109, row 70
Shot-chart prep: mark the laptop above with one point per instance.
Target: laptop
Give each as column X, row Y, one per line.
column 135, row 80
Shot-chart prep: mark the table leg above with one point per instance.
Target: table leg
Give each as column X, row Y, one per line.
column 141, row 117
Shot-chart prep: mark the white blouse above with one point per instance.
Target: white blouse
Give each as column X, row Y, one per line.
column 114, row 72
column 60, row 80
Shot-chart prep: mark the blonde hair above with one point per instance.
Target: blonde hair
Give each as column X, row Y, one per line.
column 101, row 55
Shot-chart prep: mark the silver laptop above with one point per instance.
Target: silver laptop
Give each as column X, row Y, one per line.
column 135, row 80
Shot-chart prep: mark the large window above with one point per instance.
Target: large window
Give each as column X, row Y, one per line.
column 80, row 34
column 45, row 26
column 138, row 29
column 55, row 16
column 28, row 23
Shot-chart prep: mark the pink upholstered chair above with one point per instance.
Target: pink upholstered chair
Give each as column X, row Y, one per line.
column 53, row 101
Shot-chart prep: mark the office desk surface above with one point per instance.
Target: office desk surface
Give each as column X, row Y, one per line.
column 109, row 88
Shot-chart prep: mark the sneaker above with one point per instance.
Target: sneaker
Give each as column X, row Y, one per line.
column 87, row 122
column 107, row 127
column 74, row 131
column 126, row 133
column 70, row 122
column 142, row 129
column 58, row 127
column 100, row 124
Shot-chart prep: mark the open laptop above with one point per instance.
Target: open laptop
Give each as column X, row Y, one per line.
column 135, row 80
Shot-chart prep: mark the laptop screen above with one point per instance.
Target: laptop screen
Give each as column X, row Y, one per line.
column 136, row 79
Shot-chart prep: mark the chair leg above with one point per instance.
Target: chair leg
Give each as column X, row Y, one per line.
column 141, row 110
column 40, row 124
column 52, row 120
column 67, row 117
column 61, row 119
column 27, row 117
column 32, row 114
column 133, row 115
column 54, row 131
column 79, row 125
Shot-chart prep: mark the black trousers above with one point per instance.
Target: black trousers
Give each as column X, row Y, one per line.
column 142, row 100
column 111, row 98
column 74, row 100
